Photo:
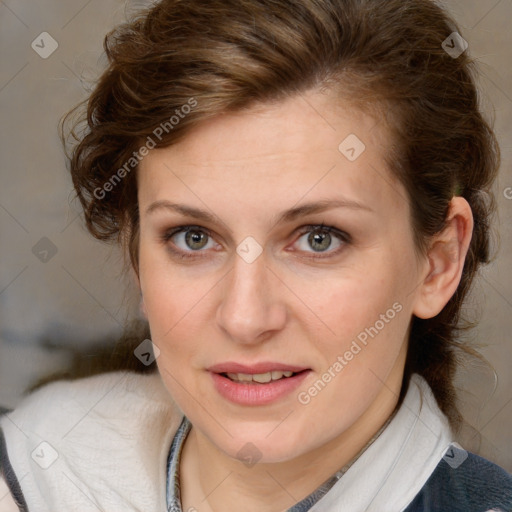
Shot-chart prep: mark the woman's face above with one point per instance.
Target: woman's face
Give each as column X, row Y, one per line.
column 239, row 276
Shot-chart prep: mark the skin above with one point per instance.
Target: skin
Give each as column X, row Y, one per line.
column 245, row 169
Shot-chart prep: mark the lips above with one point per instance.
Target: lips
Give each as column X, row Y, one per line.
column 253, row 385
column 264, row 391
column 258, row 368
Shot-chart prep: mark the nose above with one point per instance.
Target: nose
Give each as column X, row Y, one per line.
column 251, row 308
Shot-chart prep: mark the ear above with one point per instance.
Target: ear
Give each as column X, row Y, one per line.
column 446, row 257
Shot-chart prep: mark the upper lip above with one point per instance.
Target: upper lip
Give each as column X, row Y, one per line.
column 263, row 367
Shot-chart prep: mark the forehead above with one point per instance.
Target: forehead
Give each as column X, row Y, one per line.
column 311, row 144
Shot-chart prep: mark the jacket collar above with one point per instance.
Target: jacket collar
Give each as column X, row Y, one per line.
column 102, row 443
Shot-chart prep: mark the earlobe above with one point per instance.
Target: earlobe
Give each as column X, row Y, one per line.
column 446, row 258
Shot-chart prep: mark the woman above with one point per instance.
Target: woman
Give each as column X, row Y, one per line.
column 303, row 191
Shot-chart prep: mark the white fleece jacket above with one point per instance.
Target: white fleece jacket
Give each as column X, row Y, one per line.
column 101, row 444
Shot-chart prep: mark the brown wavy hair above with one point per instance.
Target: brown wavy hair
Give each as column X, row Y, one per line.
column 385, row 56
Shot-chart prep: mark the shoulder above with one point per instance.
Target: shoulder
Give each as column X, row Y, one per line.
column 64, row 404
column 465, row 482
column 89, row 434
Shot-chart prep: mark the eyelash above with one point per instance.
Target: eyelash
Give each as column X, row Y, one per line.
column 341, row 235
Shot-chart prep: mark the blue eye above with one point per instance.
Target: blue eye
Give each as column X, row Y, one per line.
column 320, row 239
column 189, row 240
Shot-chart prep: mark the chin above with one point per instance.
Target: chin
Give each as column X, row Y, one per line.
column 263, row 444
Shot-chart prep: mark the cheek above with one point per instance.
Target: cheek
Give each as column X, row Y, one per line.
column 352, row 300
column 370, row 305
column 179, row 309
column 173, row 310
column 166, row 297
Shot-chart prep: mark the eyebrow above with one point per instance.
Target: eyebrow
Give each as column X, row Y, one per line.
column 286, row 216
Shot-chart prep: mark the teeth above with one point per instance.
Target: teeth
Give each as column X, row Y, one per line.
column 262, row 378
column 277, row 374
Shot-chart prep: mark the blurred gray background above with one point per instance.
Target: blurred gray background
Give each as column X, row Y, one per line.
column 60, row 290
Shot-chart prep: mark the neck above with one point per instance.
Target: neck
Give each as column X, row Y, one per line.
column 224, row 482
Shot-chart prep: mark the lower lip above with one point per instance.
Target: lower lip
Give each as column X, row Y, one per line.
column 254, row 393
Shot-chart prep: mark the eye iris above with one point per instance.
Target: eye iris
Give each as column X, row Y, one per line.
column 195, row 237
column 321, row 238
